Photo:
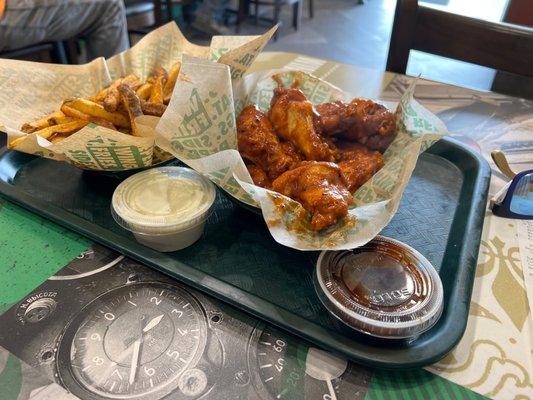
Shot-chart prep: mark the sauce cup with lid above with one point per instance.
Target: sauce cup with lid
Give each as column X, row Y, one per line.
column 165, row 208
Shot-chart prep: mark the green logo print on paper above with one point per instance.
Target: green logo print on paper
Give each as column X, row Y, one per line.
column 224, row 179
column 104, row 154
column 205, row 126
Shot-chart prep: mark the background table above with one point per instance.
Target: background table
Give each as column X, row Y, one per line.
column 494, row 357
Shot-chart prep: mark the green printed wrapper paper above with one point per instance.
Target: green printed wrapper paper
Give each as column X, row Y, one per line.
column 30, row 90
column 199, row 129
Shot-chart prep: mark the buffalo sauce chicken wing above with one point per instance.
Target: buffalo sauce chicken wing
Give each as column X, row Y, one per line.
column 320, row 188
column 258, row 143
column 294, row 118
column 358, row 165
column 259, row 176
column 362, row 121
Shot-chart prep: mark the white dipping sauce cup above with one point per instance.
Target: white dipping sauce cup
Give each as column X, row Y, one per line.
column 165, row 208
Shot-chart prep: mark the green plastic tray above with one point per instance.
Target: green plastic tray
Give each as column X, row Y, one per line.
column 237, row 261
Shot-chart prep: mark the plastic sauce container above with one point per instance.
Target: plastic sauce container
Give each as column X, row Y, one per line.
column 385, row 289
column 165, row 208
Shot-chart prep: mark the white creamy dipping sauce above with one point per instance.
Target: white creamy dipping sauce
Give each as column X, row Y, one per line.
column 163, row 200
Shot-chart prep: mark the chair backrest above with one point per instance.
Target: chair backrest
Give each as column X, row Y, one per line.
column 500, row 46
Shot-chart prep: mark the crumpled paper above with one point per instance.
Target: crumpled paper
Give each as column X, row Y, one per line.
column 30, row 90
column 199, row 129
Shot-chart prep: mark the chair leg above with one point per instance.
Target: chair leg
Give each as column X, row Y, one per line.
column 257, row 12
column 296, row 15
column 311, row 8
column 242, row 13
column 59, row 55
column 277, row 10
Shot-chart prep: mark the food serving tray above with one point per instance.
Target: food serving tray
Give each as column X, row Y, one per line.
column 441, row 215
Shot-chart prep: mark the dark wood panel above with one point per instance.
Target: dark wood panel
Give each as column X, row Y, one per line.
column 497, row 45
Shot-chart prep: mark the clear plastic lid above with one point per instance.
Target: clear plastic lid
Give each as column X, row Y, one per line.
column 163, row 200
column 384, row 288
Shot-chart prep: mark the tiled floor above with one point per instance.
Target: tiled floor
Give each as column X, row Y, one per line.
column 345, row 31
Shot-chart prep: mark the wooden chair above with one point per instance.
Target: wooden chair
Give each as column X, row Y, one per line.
column 500, row 46
column 277, row 5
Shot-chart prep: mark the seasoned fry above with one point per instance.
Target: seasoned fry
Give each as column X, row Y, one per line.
column 132, row 78
column 171, row 81
column 57, row 137
column 132, row 104
column 61, row 119
column 161, row 77
column 144, row 91
column 114, row 107
column 69, row 127
column 49, row 131
column 40, row 123
column 75, row 114
column 136, row 85
column 112, row 100
column 103, row 93
column 155, row 109
column 96, row 110
column 129, row 79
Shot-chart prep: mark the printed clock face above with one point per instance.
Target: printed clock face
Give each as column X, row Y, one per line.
column 132, row 342
column 285, row 368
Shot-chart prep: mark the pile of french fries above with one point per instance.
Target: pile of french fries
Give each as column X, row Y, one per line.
column 115, row 107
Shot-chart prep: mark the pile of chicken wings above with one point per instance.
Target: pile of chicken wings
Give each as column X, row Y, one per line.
column 316, row 155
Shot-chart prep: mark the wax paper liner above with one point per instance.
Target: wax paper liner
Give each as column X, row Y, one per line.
column 199, row 129
column 30, row 90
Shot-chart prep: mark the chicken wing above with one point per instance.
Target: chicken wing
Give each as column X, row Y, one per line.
column 294, row 118
column 320, row 188
column 258, row 143
column 358, row 165
column 363, row 121
column 259, row 176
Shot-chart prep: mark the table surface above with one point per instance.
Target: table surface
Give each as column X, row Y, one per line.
column 494, row 358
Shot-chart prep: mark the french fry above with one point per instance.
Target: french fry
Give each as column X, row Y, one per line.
column 40, row 123
column 14, row 143
column 132, row 104
column 64, row 129
column 156, row 109
column 144, row 91
column 63, row 119
column 161, row 77
column 100, row 96
column 136, row 85
column 128, row 79
column 171, row 81
column 96, row 110
column 112, row 100
column 73, row 113
column 57, row 137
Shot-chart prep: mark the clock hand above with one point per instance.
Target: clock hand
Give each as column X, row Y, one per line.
column 331, row 390
column 153, row 323
column 134, row 360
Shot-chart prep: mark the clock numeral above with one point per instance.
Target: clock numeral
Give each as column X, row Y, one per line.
column 183, row 332
column 98, row 360
column 117, row 373
column 280, row 345
column 155, row 300
column 96, row 336
column 149, row 371
column 174, row 311
column 109, row 316
column 279, row 364
column 173, row 354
